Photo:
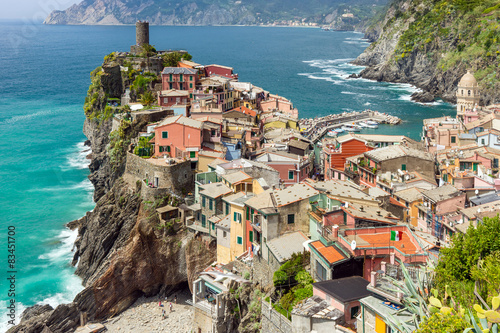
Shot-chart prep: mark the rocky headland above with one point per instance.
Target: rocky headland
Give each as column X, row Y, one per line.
column 121, row 252
column 431, row 44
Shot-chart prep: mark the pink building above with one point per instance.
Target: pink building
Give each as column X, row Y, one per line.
column 344, row 295
column 179, row 137
column 179, row 78
column 220, row 70
column 173, row 97
column 277, row 103
column 292, row 168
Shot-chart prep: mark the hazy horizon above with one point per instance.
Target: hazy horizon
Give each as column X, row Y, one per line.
column 33, row 11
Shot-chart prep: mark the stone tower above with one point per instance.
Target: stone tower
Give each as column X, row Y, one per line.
column 141, row 36
column 468, row 97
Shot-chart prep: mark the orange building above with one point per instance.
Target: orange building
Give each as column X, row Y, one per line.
column 337, row 150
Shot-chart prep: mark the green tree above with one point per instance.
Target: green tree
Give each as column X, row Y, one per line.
column 148, row 51
column 147, row 98
column 172, row 59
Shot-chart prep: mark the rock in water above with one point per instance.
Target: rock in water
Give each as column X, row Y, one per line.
column 422, row 97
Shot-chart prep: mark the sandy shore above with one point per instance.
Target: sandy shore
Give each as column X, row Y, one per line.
column 146, row 316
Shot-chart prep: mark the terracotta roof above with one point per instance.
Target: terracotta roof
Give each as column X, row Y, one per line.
column 329, row 253
column 245, row 110
column 383, row 239
column 396, row 203
column 410, row 194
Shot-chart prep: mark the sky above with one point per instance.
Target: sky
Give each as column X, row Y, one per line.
column 32, row 10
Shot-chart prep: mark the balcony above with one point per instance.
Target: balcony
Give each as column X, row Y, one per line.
column 196, row 226
column 256, row 223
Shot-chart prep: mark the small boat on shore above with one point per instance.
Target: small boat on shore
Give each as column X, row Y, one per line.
column 332, row 133
column 339, row 130
column 366, row 124
column 351, row 128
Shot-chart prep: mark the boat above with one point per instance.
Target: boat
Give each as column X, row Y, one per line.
column 339, row 130
column 332, row 133
column 363, row 124
column 371, row 126
column 371, row 122
column 351, row 128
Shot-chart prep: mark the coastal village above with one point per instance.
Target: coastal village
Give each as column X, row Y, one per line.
column 304, row 207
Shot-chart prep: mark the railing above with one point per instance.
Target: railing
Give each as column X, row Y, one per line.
column 208, row 308
column 279, row 321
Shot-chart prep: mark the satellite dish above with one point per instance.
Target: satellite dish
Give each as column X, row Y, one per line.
column 476, row 191
column 479, row 210
column 353, row 245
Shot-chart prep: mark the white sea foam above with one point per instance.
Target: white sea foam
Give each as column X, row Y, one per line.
column 26, row 117
column 77, row 159
column 60, row 255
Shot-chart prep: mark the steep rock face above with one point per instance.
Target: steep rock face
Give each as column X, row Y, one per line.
column 126, row 12
column 431, row 45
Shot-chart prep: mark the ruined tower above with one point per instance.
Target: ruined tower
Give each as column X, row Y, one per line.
column 141, row 36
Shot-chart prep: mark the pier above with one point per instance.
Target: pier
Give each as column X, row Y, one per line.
column 315, row 128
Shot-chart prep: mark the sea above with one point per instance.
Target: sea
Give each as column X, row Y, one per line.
column 44, row 79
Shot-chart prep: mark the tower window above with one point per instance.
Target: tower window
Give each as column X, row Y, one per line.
column 468, row 91
column 462, row 92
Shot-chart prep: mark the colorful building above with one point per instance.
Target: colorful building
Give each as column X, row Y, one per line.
column 179, row 78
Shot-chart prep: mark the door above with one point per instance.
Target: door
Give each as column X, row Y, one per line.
column 157, row 180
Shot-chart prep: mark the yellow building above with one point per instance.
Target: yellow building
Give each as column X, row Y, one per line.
column 410, row 197
column 235, row 205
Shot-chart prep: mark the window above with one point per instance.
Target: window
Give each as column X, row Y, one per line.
column 403, row 167
column 213, row 132
column 468, row 92
column 250, row 236
column 190, row 78
column 203, row 221
column 290, row 174
column 164, row 135
column 239, row 240
column 339, row 175
column 168, row 149
column 161, row 149
column 237, row 217
column 291, row 218
column 213, row 226
column 170, row 85
column 203, row 201
column 354, row 311
column 181, row 78
column 190, row 85
column 320, row 271
column 190, row 95
column 482, row 141
column 170, row 77
column 224, row 234
column 453, row 139
column 211, row 204
column 227, row 208
column 181, row 86
column 192, row 154
column 248, row 213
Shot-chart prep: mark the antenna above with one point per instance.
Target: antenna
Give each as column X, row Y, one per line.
column 353, row 245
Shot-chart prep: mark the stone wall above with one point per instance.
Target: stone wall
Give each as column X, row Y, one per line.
column 273, row 321
column 260, row 271
column 178, row 177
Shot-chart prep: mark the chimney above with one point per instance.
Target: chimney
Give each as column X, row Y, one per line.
column 373, row 281
column 335, row 231
column 392, row 258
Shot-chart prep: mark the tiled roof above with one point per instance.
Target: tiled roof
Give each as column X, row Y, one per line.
column 442, row 193
column 174, row 93
column 316, row 307
column 329, row 253
column 179, row 70
column 215, row 190
column 293, row 193
column 383, row 239
column 286, row 245
column 340, row 188
column 410, row 194
column 391, row 152
column 182, row 121
column 245, row 110
column 371, row 213
column 236, row 177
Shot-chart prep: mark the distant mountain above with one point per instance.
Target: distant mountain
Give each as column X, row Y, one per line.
column 214, row 12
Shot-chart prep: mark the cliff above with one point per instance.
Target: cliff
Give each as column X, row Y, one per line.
column 122, row 249
column 431, row 44
column 199, row 12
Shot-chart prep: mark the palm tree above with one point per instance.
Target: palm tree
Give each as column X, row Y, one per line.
column 147, row 98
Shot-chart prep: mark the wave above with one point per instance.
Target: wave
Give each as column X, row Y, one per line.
column 26, row 117
column 84, row 184
column 77, row 159
column 357, row 94
column 72, row 284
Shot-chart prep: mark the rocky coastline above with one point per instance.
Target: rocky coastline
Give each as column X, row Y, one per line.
column 119, row 254
column 421, row 65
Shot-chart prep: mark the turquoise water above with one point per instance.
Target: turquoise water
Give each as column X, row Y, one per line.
column 45, row 72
